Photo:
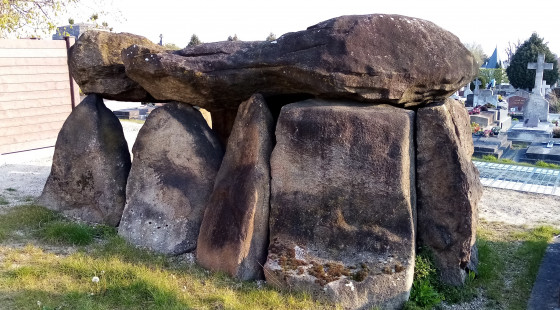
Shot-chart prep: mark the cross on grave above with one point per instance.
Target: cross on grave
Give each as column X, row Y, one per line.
column 477, row 83
column 540, row 66
column 544, row 87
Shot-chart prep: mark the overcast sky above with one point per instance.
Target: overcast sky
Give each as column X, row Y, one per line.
column 489, row 23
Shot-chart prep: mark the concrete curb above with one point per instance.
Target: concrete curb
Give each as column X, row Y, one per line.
column 546, row 290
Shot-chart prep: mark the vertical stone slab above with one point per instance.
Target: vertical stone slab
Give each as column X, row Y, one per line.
column 448, row 187
column 343, row 203
column 90, row 166
column 234, row 233
column 176, row 159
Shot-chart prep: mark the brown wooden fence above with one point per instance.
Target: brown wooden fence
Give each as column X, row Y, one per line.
column 34, row 93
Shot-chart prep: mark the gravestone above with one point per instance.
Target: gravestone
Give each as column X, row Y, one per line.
column 503, row 119
column 540, row 66
column 485, row 96
column 547, row 149
column 468, row 90
column 483, row 119
column 470, row 100
column 545, row 88
column 477, row 84
column 516, row 103
column 536, row 107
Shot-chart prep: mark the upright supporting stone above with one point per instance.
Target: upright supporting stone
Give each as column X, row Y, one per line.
column 343, row 203
column 234, row 232
column 448, row 187
column 176, row 159
column 90, row 166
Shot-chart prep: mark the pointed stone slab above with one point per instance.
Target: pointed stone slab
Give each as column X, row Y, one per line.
column 369, row 58
column 234, row 233
column 343, row 203
column 90, row 166
column 448, row 187
column 176, row 159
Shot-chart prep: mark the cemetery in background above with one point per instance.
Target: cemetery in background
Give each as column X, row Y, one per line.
column 35, row 93
column 515, row 124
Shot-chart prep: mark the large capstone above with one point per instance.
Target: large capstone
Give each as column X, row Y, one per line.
column 234, row 233
column 448, row 187
column 90, row 166
column 369, row 58
column 343, row 203
column 96, row 65
column 176, row 159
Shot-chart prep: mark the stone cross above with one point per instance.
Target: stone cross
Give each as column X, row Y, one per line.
column 540, row 66
column 544, row 88
column 477, row 83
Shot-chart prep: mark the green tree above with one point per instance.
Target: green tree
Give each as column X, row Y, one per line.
column 194, row 41
column 30, row 17
column 487, row 75
column 271, row 37
column 517, row 72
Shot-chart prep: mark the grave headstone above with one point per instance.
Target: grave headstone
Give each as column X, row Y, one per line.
column 536, row 107
column 484, row 120
column 467, row 90
column 545, row 88
column 516, row 103
column 477, row 84
column 485, row 96
column 540, row 66
column 470, row 99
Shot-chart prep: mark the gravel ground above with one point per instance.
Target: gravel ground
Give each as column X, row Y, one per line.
column 23, row 175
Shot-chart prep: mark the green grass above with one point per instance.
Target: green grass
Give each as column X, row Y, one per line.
column 544, row 164
column 510, row 257
column 493, row 159
column 3, row 201
column 10, row 189
column 129, row 278
column 46, row 258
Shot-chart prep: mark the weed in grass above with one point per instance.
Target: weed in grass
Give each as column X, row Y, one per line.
column 424, row 294
column 490, row 158
column 544, row 164
column 10, row 189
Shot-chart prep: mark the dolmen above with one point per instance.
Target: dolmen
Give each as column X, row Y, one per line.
column 334, row 154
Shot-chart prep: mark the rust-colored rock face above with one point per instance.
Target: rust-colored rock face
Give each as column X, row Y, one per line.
column 95, row 63
column 176, row 159
column 448, row 187
column 234, row 233
column 370, row 58
column 342, row 205
column 90, row 166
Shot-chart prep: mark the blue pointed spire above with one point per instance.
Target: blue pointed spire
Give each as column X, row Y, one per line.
column 493, row 61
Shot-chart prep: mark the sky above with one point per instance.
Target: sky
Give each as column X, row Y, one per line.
column 489, row 23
